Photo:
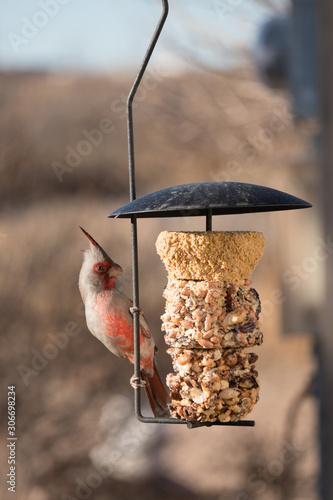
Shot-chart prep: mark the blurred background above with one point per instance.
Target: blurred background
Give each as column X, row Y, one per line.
column 232, row 93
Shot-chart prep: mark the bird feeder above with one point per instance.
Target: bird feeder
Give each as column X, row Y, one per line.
column 206, row 199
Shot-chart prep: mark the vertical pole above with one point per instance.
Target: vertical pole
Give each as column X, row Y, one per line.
column 209, row 220
column 132, row 187
column 136, row 314
column 326, row 335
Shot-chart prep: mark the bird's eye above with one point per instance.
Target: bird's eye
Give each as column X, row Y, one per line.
column 100, row 268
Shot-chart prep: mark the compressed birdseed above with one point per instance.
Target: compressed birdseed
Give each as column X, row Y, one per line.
column 212, row 384
column 211, row 255
column 200, row 362
column 211, row 314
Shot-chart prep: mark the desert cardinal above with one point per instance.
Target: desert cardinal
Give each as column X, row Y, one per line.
column 109, row 318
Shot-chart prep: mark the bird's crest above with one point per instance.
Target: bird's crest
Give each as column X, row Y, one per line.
column 99, row 254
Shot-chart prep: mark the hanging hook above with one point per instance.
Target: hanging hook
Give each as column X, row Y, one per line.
column 144, row 64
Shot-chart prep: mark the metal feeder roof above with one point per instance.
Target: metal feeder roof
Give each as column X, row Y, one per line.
column 218, row 198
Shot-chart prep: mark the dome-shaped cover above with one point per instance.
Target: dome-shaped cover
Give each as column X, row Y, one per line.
column 217, row 198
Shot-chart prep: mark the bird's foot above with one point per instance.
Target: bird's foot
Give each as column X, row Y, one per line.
column 137, row 382
column 133, row 309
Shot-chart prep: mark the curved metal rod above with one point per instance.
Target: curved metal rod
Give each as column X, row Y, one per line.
column 132, row 93
column 135, row 263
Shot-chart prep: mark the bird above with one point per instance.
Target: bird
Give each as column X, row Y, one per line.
column 109, row 318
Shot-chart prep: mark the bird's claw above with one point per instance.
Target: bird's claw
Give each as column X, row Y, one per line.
column 133, row 309
column 137, row 382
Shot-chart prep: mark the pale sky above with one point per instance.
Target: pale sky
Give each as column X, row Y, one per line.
column 106, row 35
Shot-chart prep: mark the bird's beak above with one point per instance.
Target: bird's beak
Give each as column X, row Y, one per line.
column 115, row 270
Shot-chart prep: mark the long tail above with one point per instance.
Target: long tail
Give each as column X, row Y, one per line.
column 157, row 395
